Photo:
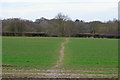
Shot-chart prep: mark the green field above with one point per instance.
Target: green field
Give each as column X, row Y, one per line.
column 86, row 55
column 91, row 53
column 32, row 52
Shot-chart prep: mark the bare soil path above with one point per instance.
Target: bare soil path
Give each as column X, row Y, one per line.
column 59, row 62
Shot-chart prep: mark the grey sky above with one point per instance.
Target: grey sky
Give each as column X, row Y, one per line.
column 87, row 10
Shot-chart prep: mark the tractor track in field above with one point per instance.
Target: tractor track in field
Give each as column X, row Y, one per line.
column 52, row 74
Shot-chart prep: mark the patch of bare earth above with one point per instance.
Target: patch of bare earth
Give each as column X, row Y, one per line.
column 35, row 73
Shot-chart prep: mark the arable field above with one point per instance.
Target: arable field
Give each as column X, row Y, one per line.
column 91, row 53
column 77, row 57
column 94, row 56
column 41, row 53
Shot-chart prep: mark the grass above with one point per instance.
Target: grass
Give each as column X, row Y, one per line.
column 91, row 53
column 41, row 53
column 87, row 56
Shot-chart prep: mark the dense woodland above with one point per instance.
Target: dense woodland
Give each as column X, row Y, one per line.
column 61, row 25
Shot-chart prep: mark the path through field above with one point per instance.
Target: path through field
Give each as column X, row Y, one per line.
column 59, row 62
column 55, row 72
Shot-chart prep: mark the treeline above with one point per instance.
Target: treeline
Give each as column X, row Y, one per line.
column 60, row 26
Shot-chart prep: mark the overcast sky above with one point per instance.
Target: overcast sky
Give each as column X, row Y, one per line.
column 87, row 10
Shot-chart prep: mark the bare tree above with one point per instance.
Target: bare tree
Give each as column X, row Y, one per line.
column 60, row 24
column 17, row 26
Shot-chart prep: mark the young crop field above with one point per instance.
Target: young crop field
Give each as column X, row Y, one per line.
column 91, row 53
column 59, row 57
column 30, row 52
